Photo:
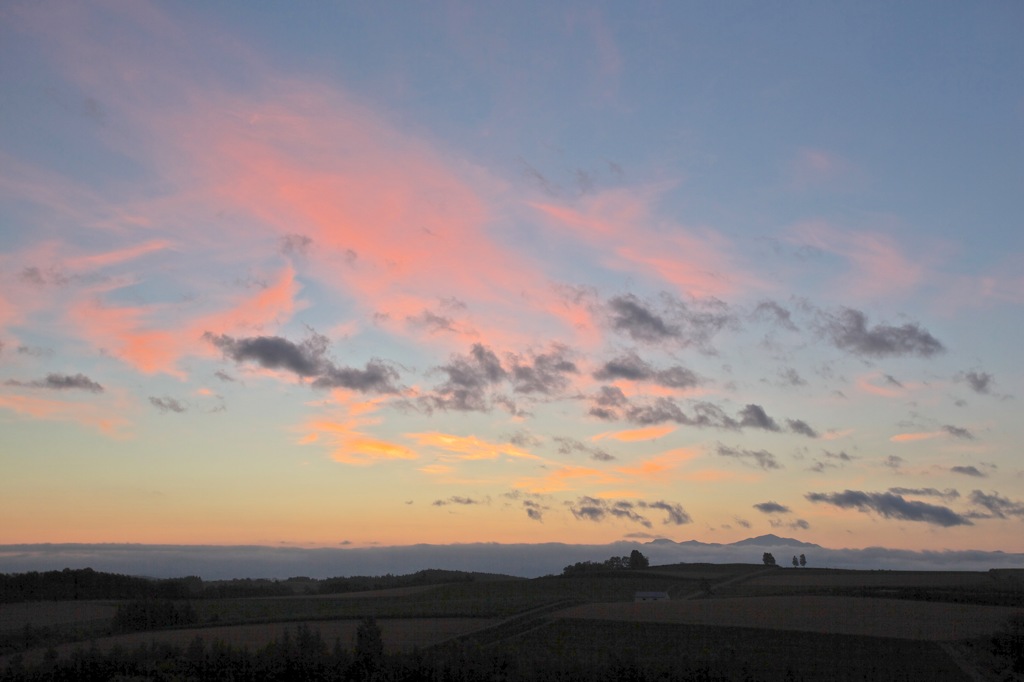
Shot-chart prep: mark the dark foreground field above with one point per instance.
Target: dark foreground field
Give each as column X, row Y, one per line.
column 722, row 622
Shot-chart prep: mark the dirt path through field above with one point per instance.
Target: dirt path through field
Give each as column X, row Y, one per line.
column 902, row 619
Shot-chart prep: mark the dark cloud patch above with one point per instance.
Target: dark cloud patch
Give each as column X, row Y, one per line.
column 630, row 367
column 791, row 377
column 524, row 439
column 775, row 313
column 673, row 321
column 892, row 381
column 623, row 509
column 61, row 382
column 968, row 471
column 800, row 524
column 295, row 244
column 224, row 376
column 167, row 404
column 603, row 413
column 633, row 317
column 34, row 351
column 469, row 378
column 742, row 523
column 589, row 509
column 894, row 462
column 659, row 411
column 801, row 427
column 611, row 396
column 633, row 368
column 772, row 508
column 32, row 275
column 709, row 414
column 755, row 417
column 569, row 446
column 605, row 402
column 455, row 499
column 831, row 459
column 547, row 373
column 431, row 322
column 675, row 514
column 665, row 409
column 595, row 509
column 947, row 494
column 760, row 458
column 305, row 359
column 676, row 377
column 848, row 330
column 980, row 382
column 534, row 510
column 892, row 506
column 958, row 432
column 375, row 377
column 998, row 506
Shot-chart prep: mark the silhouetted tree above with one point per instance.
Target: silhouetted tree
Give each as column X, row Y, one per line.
column 369, row 645
column 803, row 560
column 796, row 562
column 768, row 559
column 638, row 560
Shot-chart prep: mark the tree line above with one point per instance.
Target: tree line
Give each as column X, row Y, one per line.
column 615, row 563
column 86, row 583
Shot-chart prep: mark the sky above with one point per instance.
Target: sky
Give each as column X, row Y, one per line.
column 353, row 275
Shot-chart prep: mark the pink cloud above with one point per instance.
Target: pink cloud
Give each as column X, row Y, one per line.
column 111, row 423
column 910, row 437
column 102, row 260
column 621, row 224
column 879, row 266
column 143, row 337
column 816, row 167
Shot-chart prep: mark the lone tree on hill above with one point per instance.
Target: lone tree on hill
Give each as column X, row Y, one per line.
column 768, row 559
column 638, row 560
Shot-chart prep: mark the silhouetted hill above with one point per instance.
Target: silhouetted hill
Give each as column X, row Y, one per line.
column 771, row 540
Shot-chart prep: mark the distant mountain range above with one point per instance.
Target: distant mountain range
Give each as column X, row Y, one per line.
column 769, row 540
column 526, row 560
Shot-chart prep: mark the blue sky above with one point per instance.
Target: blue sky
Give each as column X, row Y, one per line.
column 384, row 274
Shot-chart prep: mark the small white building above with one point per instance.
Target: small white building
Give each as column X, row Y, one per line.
column 650, row 596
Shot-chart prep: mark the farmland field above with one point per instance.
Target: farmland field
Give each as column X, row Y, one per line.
column 894, row 618
column 837, row 578
column 399, row 635
column 699, row 651
column 49, row 613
